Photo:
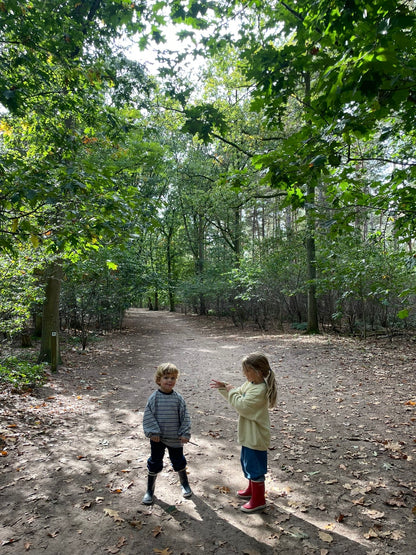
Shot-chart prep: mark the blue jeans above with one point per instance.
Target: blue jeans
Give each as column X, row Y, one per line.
column 157, row 452
column 254, row 464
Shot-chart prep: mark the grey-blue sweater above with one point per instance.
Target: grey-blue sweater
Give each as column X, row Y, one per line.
column 166, row 415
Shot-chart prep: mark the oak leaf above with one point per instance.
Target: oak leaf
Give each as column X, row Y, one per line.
column 223, row 489
column 372, row 513
column 113, row 514
column 156, row 531
column 397, row 535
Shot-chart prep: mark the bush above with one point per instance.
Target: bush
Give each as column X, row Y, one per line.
column 21, row 373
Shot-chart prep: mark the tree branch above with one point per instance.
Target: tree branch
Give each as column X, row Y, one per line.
column 231, row 143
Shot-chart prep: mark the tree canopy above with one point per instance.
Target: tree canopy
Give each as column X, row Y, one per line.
column 230, row 189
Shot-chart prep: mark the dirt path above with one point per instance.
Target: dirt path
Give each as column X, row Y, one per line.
column 341, row 466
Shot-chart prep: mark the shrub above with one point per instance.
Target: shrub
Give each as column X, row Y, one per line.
column 21, row 373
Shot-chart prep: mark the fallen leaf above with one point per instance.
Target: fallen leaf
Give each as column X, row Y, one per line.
column 27, row 546
column 325, row 537
column 156, row 531
column 397, row 535
column 395, row 502
column 136, row 524
column 166, row 551
column 122, row 541
column 223, row 489
column 372, row 513
column 9, row 541
column 113, row 514
column 282, row 518
column 298, row 534
column 116, row 548
column 53, row 534
column 372, row 533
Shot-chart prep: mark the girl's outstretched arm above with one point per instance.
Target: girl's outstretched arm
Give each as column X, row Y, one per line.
column 215, row 384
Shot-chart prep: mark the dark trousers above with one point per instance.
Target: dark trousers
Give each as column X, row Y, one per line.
column 157, row 452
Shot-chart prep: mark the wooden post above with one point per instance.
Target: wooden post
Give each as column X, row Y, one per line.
column 54, row 351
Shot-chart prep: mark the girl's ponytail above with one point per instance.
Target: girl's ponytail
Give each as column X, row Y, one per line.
column 271, row 388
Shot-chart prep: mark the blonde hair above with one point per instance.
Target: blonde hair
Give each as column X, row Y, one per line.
column 260, row 364
column 164, row 370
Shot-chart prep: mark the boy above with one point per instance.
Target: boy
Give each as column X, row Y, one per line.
column 167, row 424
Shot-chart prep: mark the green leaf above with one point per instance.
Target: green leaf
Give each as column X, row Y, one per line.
column 111, row 265
column 403, row 314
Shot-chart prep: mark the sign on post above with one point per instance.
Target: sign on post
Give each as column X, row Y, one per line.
column 54, row 351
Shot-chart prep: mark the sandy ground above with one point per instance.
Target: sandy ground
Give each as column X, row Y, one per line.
column 341, row 465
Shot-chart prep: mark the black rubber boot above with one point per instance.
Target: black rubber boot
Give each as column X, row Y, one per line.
column 148, row 496
column 183, row 477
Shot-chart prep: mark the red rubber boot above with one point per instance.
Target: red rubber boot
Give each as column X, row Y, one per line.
column 257, row 501
column 245, row 493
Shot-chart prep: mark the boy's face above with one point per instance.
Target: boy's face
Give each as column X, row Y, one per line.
column 167, row 382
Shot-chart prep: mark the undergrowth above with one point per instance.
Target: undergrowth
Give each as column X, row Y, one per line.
column 22, row 373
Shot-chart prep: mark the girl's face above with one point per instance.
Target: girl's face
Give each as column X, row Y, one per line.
column 252, row 375
column 167, row 383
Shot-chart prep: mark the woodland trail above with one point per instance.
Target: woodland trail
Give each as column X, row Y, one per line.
column 341, row 465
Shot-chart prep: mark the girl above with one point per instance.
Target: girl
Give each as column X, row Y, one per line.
column 252, row 400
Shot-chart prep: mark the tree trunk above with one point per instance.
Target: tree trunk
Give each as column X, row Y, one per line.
column 50, row 319
column 169, row 260
column 313, row 324
column 200, row 266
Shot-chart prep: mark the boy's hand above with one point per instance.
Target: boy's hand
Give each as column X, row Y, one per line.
column 184, row 439
column 156, row 439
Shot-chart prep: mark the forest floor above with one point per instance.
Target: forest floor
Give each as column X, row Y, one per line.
column 341, row 465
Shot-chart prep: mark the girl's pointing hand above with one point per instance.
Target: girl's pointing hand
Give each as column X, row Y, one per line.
column 215, row 384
